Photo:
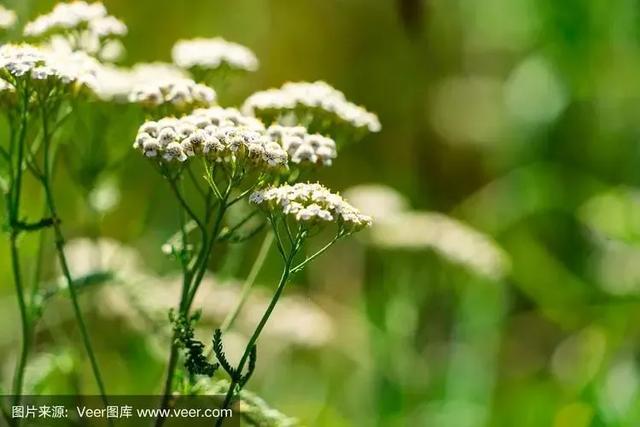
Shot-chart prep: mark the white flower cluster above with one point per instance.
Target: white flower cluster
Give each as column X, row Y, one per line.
column 446, row 236
column 22, row 62
column 105, row 50
column 311, row 96
column 146, row 71
column 385, row 201
column 181, row 94
column 303, row 147
column 77, row 16
column 219, row 134
column 81, row 26
column 213, row 53
column 117, row 83
column 310, row 203
column 7, row 18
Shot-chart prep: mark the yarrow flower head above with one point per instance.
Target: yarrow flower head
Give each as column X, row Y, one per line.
column 302, row 147
column 386, row 201
column 19, row 60
column 116, row 84
column 304, row 99
column 7, row 18
column 310, row 203
column 448, row 237
column 84, row 26
column 46, row 69
column 212, row 54
column 179, row 95
column 217, row 134
column 76, row 16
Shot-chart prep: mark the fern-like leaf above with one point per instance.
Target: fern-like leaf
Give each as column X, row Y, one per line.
column 196, row 362
column 218, row 349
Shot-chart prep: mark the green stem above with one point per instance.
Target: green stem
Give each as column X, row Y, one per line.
column 176, row 191
column 248, row 283
column 37, row 272
column 217, row 225
column 322, row 250
column 263, row 321
column 171, row 366
column 194, row 179
column 62, row 260
column 18, row 378
column 192, row 277
column 168, row 383
column 14, row 216
column 228, row 234
column 186, row 281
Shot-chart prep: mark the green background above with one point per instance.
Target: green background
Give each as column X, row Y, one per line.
column 518, row 117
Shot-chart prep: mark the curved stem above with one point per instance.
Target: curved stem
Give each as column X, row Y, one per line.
column 248, row 283
column 263, row 321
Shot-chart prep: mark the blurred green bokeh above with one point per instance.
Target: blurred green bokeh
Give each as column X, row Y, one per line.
column 516, row 117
